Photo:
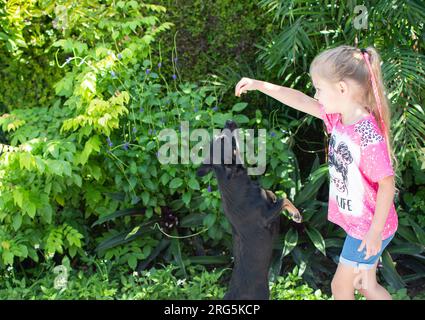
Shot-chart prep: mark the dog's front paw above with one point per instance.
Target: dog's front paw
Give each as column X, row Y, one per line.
column 297, row 217
column 293, row 211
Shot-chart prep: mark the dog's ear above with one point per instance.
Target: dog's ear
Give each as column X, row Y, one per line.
column 203, row 170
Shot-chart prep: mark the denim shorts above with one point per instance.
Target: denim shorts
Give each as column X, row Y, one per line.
column 350, row 255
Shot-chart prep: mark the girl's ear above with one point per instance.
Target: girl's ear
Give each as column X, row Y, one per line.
column 343, row 87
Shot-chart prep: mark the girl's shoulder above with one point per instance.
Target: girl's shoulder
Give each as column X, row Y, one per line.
column 368, row 131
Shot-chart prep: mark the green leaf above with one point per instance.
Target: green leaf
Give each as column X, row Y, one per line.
column 291, row 240
column 93, row 144
column 209, row 220
column 72, row 251
column 186, row 198
column 67, row 169
column 149, row 212
column 121, row 238
column 64, row 86
column 95, row 171
column 165, row 178
column 119, row 213
column 406, row 248
column 239, row 106
column 133, row 168
column 310, row 189
column 317, row 239
column 145, row 197
column 194, row 184
column 17, row 221
column 33, row 255
column 209, row 100
column 220, row 118
column 18, row 197
column 78, row 181
column 132, row 232
column 55, row 166
column 176, row 251
column 26, row 160
column 21, row 251
column 240, row 118
column 420, row 233
column 390, row 273
column 192, row 220
column 30, row 209
column 7, row 257
column 163, row 244
column 175, row 183
column 407, row 233
column 89, row 82
column 132, row 262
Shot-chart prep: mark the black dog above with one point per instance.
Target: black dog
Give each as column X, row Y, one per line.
column 253, row 214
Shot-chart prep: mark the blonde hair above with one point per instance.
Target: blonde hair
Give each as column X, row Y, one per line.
column 347, row 62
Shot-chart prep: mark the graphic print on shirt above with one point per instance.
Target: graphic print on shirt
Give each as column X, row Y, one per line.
column 339, row 158
column 368, row 133
column 346, row 186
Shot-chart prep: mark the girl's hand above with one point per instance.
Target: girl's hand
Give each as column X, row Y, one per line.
column 244, row 85
column 373, row 243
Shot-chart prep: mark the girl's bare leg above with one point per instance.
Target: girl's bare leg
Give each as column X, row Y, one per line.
column 344, row 282
column 370, row 288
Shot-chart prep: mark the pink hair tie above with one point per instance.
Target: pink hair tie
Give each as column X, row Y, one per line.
column 375, row 88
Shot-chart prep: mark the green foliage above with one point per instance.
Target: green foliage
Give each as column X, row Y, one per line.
column 212, row 37
column 102, row 280
column 27, row 74
column 52, row 173
column 291, row 287
column 109, row 282
column 85, row 97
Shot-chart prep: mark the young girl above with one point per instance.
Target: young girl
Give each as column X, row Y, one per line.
column 350, row 99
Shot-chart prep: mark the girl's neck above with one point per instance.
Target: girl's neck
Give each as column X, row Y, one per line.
column 353, row 114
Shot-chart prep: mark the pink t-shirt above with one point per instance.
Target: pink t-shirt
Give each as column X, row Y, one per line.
column 358, row 159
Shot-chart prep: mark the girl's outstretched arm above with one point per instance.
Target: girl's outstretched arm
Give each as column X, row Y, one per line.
column 291, row 97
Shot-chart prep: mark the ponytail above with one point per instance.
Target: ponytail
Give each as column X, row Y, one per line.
column 380, row 106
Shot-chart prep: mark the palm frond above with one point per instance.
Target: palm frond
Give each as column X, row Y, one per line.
column 288, row 47
column 401, row 10
column 403, row 66
column 409, row 130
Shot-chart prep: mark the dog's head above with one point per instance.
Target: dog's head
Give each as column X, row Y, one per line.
column 223, row 152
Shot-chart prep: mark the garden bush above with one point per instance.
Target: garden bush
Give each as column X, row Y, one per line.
column 87, row 89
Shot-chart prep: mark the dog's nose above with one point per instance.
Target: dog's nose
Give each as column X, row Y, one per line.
column 231, row 125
